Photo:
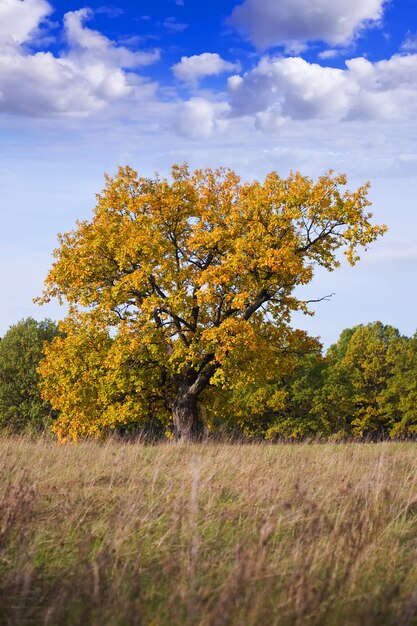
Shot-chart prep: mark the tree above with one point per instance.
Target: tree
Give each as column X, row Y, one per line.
column 21, row 405
column 276, row 403
column 353, row 397
column 193, row 279
column 400, row 397
column 297, row 420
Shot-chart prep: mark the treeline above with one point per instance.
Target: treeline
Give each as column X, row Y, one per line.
column 364, row 387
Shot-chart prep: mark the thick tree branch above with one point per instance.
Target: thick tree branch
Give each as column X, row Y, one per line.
column 203, row 379
column 178, row 319
column 156, row 287
column 263, row 296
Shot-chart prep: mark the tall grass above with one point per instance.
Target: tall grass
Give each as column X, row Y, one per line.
column 119, row 534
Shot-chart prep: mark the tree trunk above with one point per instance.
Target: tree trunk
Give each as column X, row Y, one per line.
column 185, row 415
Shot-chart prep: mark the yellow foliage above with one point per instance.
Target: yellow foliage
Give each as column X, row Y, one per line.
column 188, row 283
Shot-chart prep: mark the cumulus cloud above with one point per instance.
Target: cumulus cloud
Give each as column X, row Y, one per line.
column 20, row 18
column 199, row 118
column 40, row 85
column 77, row 82
column 291, row 88
column 271, row 23
column 90, row 43
column 191, row 69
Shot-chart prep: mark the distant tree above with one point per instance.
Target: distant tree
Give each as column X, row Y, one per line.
column 353, row 398
column 194, row 282
column 366, row 386
column 400, row 396
column 277, row 404
column 21, row 405
column 297, row 420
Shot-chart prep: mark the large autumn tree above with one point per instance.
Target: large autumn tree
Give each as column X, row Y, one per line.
column 178, row 288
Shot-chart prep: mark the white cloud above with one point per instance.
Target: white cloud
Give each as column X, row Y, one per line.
column 191, row 69
column 328, row 54
column 271, row 23
column 40, row 85
column 78, row 82
column 172, row 25
column 291, row 88
column 20, row 18
column 92, row 73
column 87, row 42
column 199, row 118
column 410, row 43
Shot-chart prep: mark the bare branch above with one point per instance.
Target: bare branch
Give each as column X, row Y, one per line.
column 322, row 299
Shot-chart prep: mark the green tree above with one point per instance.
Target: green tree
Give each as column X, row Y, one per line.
column 400, row 396
column 358, row 372
column 21, row 405
column 277, row 404
column 194, row 280
column 296, row 419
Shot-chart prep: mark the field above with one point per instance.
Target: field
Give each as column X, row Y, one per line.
column 117, row 534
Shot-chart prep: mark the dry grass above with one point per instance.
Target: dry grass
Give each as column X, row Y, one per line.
column 119, row 534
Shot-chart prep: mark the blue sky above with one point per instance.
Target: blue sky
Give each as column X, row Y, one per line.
column 255, row 85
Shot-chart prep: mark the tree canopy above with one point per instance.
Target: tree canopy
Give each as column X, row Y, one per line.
column 21, row 407
column 357, row 374
column 181, row 291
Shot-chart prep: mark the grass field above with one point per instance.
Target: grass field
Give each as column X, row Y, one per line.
column 120, row 534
